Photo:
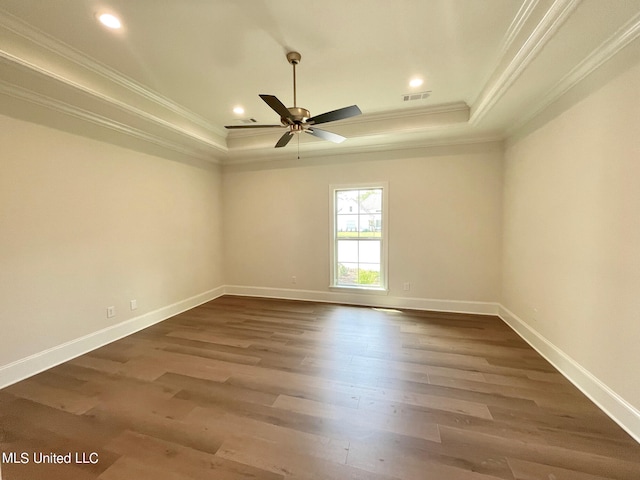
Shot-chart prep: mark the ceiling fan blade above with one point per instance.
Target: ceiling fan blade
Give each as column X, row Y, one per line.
column 277, row 106
column 323, row 134
column 253, row 126
column 334, row 115
column 284, row 139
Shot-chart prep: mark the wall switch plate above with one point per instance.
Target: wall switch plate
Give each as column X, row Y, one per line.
column 111, row 312
column 133, row 304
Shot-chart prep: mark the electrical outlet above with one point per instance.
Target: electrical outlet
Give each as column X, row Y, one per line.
column 407, row 286
column 133, row 304
column 111, row 312
column 294, row 280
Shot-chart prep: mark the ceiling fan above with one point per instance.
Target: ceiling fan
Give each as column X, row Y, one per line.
column 296, row 119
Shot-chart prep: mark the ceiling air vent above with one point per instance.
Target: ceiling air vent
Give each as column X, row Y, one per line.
column 407, row 97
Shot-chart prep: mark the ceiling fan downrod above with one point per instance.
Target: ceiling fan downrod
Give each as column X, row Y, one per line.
column 294, row 58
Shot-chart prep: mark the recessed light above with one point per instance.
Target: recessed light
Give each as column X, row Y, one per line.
column 238, row 110
column 110, row 21
column 416, row 82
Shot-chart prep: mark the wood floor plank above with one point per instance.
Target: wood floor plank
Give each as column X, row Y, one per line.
column 181, row 460
column 213, row 354
column 140, row 420
column 388, row 459
column 307, row 390
column 350, row 416
column 254, row 388
column 594, row 423
column 23, row 414
column 301, row 466
column 60, row 398
column 524, row 470
column 565, row 456
column 319, row 445
column 127, row 468
column 218, row 392
column 541, row 397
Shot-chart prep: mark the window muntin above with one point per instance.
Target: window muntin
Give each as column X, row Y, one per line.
column 358, row 237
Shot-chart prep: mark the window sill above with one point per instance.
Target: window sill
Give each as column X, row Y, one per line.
column 361, row 290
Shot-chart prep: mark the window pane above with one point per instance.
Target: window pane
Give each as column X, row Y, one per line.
column 369, row 274
column 347, row 273
column 348, row 251
column 370, row 225
column 346, row 202
column 347, row 225
column 371, row 201
column 369, row 251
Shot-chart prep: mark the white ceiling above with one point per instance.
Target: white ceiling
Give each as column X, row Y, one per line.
column 171, row 76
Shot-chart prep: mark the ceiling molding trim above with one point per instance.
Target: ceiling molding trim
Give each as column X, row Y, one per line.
column 400, row 114
column 433, row 142
column 261, row 155
column 605, row 51
column 85, row 115
column 518, row 22
column 541, row 34
column 111, row 101
column 17, row 26
column 406, row 113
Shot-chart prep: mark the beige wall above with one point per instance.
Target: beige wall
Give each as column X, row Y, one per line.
column 444, row 220
column 85, row 225
column 572, row 233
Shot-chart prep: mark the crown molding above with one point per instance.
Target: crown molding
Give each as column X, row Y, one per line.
column 85, row 63
column 398, row 146
column 13, row 59
column 403, row 113
column 629, row 32
column 521, row 18
column 385, row 146
column 501, row 81
column 59, row 106
column 515, row 27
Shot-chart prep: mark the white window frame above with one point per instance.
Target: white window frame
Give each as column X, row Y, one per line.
column 384, row 248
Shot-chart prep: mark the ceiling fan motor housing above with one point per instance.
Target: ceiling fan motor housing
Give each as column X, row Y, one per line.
column 299, row 115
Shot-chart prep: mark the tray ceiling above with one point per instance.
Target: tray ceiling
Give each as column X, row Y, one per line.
column 170, row 78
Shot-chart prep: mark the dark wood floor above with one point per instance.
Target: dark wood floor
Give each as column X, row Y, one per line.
column 244, row 388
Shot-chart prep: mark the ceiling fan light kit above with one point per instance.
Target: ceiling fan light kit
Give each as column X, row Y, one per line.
column 297, row 119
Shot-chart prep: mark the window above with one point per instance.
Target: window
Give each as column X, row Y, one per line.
column 358, row 236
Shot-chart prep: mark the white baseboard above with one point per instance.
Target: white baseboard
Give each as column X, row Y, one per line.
column 366, row 299
column 36, row 363
column 616, row 407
